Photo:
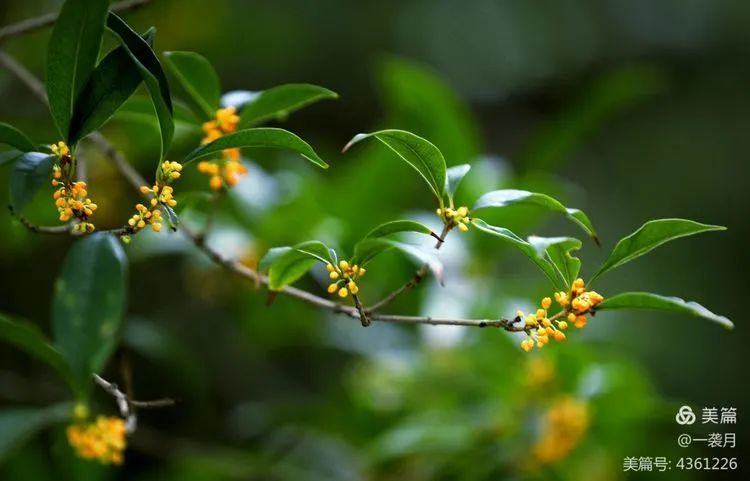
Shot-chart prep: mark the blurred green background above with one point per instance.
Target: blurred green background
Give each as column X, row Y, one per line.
column 630, row 110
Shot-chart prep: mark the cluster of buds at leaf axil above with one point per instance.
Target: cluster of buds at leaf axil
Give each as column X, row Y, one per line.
column 229, row 169
column 71, row 198
column 539, row 327
column 344, row 278
column 455, row 217
column 161, row 193
column 103, row 440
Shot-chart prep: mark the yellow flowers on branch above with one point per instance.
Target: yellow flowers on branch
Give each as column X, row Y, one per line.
column 345, row 278
column 103, row 439
column 455, row 217
column 228, row 169
column 161, row 194
column 575, row 304
column 71, row 198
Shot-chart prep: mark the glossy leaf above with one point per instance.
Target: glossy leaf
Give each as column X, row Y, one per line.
column 655, row 302
column 507, row 197
column 199, row 79
column 542, row 261
column 419, row 153
column 369, row 248
column 279, row 102
column 111, row 84
column 270, row 257
column 30, row 339
column 30, row 171
column 264, row 137
column 454, row 176
column 17, row 425
column 152, row 74
column 13, row 137
column 316, row 249
column 396, row 226
column 649, row 236
column 558, row 250
column 288, row 268
column 89, row 303
column 72, row 55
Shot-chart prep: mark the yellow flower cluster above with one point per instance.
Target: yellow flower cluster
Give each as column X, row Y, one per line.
column 103, row 439
column 230, row 169
column 455, row 217
column 575, row 304
column 344, row 276
column 71, row 198
column 161, row 194
column 564, row 425
column 228, row 172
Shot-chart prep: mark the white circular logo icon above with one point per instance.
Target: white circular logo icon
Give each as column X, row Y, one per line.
column 685, row 416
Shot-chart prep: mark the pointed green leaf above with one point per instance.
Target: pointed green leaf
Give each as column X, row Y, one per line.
column 10, row 135
column 506, row 197
column 419, row 153
column 89, row 303
column 655, row 302
column 152, row 74
column 542, row 261
column 112, row 82
column 558, row 250
column 31, row 340
column 649, row 236
column 31, row 171
column 369, row 248
column 396, row 226
column 278, row 102
column 270, row 257
column 288, row 268
column 454, row 176
column 264, row 137
column 71, row 56
column 199, row 79
column 316, row 249
column 19, row 424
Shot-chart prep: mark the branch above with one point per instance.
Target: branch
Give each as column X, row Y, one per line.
column 259, row 279
column 48, row 19
column 23, row 74
column 416, row 278
column 125, row 404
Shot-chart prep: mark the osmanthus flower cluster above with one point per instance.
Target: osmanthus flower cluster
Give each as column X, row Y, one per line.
column 102, row 439
column 229, row 168
column 85, row 87
column 71, row 197
column 563, row 426
column 575, row 304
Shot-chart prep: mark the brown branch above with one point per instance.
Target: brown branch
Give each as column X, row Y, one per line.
column 48, row 19
column 416, row 278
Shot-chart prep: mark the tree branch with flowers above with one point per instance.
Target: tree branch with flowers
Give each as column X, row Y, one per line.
column 84, row 92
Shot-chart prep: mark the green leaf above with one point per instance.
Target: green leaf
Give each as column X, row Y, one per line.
column 288, row 268
column 454, row 176
column 264, row 137
column 270, row 257
column 199, row 79
column 542, row 261
column 89, row 303
column 506, row 197
column 419, row 153
column 649, row 236
column 9, row 157
column 30, row 172
column 649, row 301
column 317, row 250
column 71, row 56
column 279, row 102
column 152, row 74
column 558, row 250
column 111, row 84
column 31, row 340
column 18, row 425
column 396, row 226
column 369, row 248
column 10, row 135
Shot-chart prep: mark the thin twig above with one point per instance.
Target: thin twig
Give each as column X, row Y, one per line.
column 48, row 19
column 416, row 278
column 39, row 229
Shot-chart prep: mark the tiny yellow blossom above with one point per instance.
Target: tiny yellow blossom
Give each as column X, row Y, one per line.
column 102, row 440
column 455, row 217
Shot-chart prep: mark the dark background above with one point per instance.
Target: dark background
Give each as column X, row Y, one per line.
column 629, row 110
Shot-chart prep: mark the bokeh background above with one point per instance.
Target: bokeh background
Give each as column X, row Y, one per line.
column 630, row 110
